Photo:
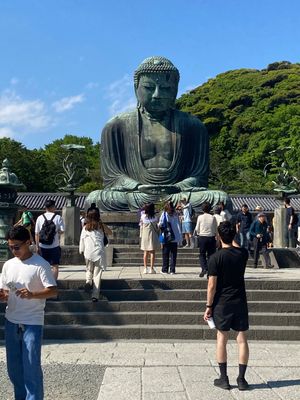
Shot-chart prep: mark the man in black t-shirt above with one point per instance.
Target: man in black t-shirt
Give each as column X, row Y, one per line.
column 227, row 302
column 291, row 228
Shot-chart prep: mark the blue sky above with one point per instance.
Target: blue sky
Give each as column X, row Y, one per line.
column 67, row 65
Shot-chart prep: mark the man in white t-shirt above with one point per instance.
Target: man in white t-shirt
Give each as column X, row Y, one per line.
column 50, row 252
column 26, row 281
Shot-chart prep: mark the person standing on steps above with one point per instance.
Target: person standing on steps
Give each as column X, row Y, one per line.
column 170, row 216
column 291, row 227
column 186, row 225
column 243, row 223
column 26, row 281
column 206, row 229
column 49, row 249
column 259, row 233
column 92, row 246
column 227, row 302
column 149, row 237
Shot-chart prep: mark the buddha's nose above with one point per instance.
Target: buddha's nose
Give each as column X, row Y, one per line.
column 156, row 94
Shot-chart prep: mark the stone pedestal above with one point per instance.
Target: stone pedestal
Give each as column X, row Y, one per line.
column 279, row 227
column 71, row 217
column 124, row 225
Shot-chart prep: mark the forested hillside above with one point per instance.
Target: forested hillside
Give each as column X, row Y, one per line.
column 248, row 113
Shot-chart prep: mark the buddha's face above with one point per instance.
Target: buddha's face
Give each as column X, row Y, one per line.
column 157, row 91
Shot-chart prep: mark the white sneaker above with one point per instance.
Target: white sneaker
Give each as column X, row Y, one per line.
column 163, row 273
column 152, row 271
column 145, row 271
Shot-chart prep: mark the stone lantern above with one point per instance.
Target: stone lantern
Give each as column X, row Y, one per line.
column 9, row 184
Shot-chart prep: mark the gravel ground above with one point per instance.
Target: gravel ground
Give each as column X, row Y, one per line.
column 62, row 381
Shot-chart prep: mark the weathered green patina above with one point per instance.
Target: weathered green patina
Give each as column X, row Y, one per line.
column 154, row 153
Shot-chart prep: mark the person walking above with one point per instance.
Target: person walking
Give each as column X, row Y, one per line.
column 149, row 237
column 243, row 223
column 227, row 303
column 92, row 246
column 206, row 229
column 260, row 236
column 170, row 218
column 27, row 221
column 26, row 281
column 48, row 228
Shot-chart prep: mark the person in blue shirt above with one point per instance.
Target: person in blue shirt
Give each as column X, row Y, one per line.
column 259, row 233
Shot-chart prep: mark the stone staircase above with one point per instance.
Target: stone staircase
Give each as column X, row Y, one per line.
column 164, row 309
column 132, row 256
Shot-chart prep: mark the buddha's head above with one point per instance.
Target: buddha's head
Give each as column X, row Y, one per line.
column 156, row 84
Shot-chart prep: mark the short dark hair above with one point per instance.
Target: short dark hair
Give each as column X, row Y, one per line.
column 18, row 233
column 49, row 203
column 245, row 205
column 206, row 207
column 227, row 232
column 287, row 200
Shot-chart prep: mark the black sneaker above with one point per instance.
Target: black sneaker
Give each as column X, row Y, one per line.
column 242, row 384
column 202, row 273
column 223, row 383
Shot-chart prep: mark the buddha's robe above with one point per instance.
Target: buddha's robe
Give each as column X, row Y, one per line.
column 133, row 171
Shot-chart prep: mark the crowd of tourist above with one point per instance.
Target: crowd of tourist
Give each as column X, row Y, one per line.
column 253, row 232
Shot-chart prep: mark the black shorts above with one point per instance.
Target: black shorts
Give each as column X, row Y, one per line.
column 51, row 255
column 231, row 316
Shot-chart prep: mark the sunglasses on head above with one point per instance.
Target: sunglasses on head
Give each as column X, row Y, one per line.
column 16, row 247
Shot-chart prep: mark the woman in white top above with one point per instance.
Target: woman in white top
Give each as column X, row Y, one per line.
column 92, row 246
column 206, row 229
column 149, row 237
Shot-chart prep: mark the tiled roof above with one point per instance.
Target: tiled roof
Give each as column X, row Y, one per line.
column 36, row 201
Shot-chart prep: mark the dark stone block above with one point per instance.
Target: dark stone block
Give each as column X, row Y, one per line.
column 285, row 258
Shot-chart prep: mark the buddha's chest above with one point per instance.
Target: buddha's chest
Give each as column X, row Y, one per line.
column 156, row 144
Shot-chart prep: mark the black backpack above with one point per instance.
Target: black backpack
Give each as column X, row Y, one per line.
column 48, row 231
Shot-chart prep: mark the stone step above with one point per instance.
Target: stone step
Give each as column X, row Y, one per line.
column 159, row 306
column 175, row 294
column 157, row 318
column 169, row 332
column 178, row 283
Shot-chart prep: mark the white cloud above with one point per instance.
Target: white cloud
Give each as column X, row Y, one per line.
column 6, row 132
column 19, row 116
column 120, row 95
column 67, row 103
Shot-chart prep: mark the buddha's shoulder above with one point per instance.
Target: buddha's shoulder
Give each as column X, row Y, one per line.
column 187, row 118
column 122, row 118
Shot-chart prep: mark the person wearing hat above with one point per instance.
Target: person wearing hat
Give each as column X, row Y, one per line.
column 260, row 236
column 50, row 252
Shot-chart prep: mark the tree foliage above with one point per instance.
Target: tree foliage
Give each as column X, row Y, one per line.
column 37, row 168
column 248, row 113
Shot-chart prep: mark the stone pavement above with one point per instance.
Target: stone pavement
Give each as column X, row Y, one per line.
column 118, row 272
column 161, row 371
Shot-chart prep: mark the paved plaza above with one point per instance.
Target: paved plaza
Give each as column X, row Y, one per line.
column 161, row 371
